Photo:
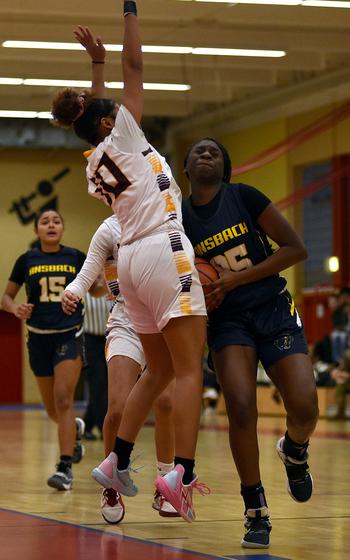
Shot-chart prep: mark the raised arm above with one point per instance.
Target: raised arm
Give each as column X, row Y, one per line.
column 95, row 49
column 132, row 64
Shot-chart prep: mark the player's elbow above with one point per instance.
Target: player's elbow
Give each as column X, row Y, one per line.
column 301, row 252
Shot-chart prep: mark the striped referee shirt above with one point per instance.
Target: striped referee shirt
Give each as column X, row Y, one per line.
column 96, row 315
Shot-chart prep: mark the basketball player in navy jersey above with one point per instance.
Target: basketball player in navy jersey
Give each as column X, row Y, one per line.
column 252, row 317
column 54, row 342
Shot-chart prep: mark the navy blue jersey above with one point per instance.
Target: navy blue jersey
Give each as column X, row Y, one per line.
column 45, row 276
column 226, row 232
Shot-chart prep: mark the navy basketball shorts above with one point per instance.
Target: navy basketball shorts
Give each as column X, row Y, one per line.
column 48, row 350
column 274, row 329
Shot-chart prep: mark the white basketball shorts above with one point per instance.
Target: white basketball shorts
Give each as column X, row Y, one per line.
column 159, row 281
column 121, row 338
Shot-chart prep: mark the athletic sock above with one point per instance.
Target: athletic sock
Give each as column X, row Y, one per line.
column 123, row 450
column 294, row 450
column 188, row 465
column 65, row 462
column 253, row 496
column 164, row 468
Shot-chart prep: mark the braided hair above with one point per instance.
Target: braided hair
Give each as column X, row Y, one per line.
column 82, row 112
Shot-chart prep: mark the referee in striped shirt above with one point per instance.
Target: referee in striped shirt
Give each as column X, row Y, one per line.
column 96, row 314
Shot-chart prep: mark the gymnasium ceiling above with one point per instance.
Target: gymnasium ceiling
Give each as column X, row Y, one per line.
column 315, row 70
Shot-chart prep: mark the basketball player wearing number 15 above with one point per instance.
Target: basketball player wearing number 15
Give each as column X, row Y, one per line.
column 54, row 339
column 252, row 317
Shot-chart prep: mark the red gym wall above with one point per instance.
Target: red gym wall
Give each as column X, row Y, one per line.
column 10, row 359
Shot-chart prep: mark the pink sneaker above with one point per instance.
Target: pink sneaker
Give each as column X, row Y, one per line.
column 108, row 476
column 164, row 508
column 179, row 495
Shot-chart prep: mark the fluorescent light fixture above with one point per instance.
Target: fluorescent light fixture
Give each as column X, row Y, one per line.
column 44, row 115
column 56, row 83
column 11, row 81
column 18, row 114
column 239, row 52
column 151, row 49
column 311, row 3
column 167, row 87
column 326, row 4
column 271, row 2
column 157, row 49
column 153, row 87
column 43, row 45
column 87, row 84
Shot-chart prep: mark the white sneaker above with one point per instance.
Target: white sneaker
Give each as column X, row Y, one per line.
column 164, row 508
column 79, row 449
column 112, row 506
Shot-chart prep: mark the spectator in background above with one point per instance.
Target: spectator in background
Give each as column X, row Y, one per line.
column 343, row 307
column 96, row 315
column 328, row 352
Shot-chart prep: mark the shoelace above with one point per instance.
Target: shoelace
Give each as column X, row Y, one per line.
column 298, row 473
column 202, row 488
column 131, row 468
column 112, row 497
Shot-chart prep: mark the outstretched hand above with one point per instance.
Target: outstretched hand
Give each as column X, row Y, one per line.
column 93, row 45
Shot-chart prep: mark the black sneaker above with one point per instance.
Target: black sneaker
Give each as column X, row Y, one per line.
column 79, row 449
column 300, row 483
column 62, row 479
column 257, row 529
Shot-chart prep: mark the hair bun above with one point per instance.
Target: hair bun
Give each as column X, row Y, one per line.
column 68, row 106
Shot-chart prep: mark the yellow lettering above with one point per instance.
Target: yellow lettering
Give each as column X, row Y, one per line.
column 209, row 243
column 234, row 231
column 243, row 227
column 218, row 239
column 227, row 234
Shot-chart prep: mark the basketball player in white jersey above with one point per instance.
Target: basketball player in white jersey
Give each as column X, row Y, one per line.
column 157, row 276
column 125, row 360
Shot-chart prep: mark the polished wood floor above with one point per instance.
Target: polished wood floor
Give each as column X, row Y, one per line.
column 38, row 523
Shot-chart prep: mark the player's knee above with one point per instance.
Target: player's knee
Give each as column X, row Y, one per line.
column 51, row 412
column 164, row 405
column 242, row 413
column 305, row 414
column 63, row 402
column 113, row 417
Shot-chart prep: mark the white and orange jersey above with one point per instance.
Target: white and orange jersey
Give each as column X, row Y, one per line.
column 135, row 180
column 102, row 256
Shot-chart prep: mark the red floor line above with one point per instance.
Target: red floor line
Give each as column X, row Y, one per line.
column 44, row 538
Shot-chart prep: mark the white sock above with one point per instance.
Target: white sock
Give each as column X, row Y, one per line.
column 164, row 468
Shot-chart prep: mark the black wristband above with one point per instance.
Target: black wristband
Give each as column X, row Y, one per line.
column 130, row 7
column 97, row 62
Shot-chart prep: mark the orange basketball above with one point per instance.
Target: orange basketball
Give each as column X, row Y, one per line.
column 207, row 273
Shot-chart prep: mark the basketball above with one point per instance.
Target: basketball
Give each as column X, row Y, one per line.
column 207, row 273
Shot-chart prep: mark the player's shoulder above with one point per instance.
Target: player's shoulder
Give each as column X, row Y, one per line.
column 72, row 251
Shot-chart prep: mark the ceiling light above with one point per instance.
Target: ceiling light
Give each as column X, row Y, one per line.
column 239, row 52
column 150, row 49
column 11, row 81
column 326, row 4
column 87, row 84
column 18, row 114
column 43, row 45
column 312, row 3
